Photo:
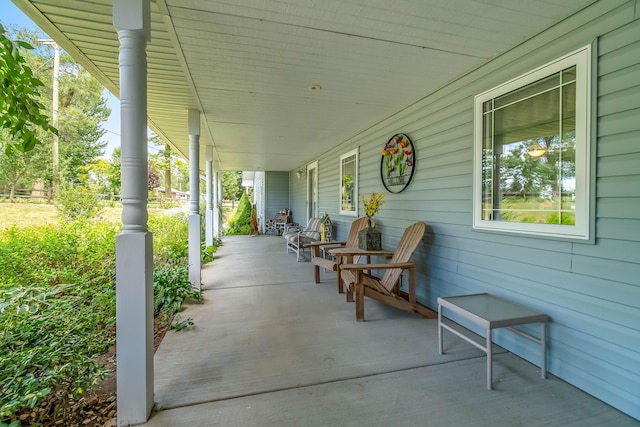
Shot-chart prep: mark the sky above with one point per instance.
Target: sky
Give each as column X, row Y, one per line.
column 11, row 15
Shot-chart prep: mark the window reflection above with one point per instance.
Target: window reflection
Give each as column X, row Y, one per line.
column 528, row 159
column 348, row 183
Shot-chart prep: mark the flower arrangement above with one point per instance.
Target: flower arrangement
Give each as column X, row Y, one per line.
column 398, row 157
column 370, row 239
column 373, row 206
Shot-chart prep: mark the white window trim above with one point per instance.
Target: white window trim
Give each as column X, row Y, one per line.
column 581, row 58
column 353, row 152
column 311, row 166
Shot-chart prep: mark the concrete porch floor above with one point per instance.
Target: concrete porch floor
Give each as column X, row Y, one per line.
column 272, row 348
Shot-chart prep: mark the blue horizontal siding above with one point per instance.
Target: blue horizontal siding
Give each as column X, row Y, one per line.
column 276, row 193
column 590, row 290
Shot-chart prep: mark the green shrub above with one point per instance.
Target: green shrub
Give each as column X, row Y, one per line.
column 57, row 303
column 57, row 309
column 171, row 287
column 77, row 202
column 170, row 238
column 206, row 252
column 49, row 336
column 245, row 230
column 72, row 253
column 239, row 224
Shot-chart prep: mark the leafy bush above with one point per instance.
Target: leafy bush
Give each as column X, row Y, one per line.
column 57, row 304
column 75, row 252
column 77, row 202
column 49, row 336
column 170, row 238
column 171, row 287
column 57, row 310
column 239, row 224
column 206, row 252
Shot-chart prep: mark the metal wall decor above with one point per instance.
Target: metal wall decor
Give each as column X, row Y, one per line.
column 398, row 163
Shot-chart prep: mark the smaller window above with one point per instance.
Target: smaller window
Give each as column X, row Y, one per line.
column 349, row 183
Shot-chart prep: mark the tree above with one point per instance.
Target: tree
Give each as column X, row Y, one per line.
column 162, row 162
column 180, row 174
column 12, row 169
column 82, row 110
column 153, row 179
column 21, row 111
column 96, row 175
column 231, row 185
column 114, row 175
column 20, row 169
column 166, row 162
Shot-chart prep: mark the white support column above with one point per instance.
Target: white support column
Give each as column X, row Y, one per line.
column 209, row 210
column 194, row 199
column 134, row 246
column 217, row 192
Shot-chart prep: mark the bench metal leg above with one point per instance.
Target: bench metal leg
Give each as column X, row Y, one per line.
column 440, row 330
column 543, row 346
column 489, row 360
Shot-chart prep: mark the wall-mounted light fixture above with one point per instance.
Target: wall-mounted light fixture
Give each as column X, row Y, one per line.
column 299, row 173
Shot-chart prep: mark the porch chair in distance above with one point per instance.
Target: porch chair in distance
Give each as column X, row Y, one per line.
column 387, row 288
column 329, row 263
column 295, row 239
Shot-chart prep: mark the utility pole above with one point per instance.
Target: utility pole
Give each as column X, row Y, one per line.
column 54, row 109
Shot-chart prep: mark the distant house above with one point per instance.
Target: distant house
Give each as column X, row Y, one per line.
column 175, row 194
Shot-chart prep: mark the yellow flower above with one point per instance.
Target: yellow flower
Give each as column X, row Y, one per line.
column 373, row 206
column 384, row 152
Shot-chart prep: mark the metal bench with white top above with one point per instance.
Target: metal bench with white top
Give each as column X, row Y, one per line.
column 492, row 312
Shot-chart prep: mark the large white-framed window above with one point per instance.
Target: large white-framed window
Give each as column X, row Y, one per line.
column 349, row 183
column 532, row 151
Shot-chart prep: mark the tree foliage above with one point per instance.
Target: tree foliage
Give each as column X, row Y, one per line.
column 21, row 111
column 241, row 221
column 153, row 179
column 162, row 162
column 115, row 173
column 82, row 110
column 171, row 167
column 19, row 167
column 78, row 202
column 232, row 185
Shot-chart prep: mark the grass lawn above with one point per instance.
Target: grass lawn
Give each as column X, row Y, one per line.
column 23, row 214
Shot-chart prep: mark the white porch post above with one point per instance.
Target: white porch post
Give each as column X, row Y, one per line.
column 217, row 228
column 194, row 199
column 209, row 210
column 134, row 246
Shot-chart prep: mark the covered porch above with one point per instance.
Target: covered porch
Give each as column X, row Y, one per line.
column 296, row 88
column 272, row 348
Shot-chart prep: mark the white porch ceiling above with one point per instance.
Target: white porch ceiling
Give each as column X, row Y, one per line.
column 248, row 64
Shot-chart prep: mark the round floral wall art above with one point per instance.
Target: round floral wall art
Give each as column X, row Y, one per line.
column 398, row 163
